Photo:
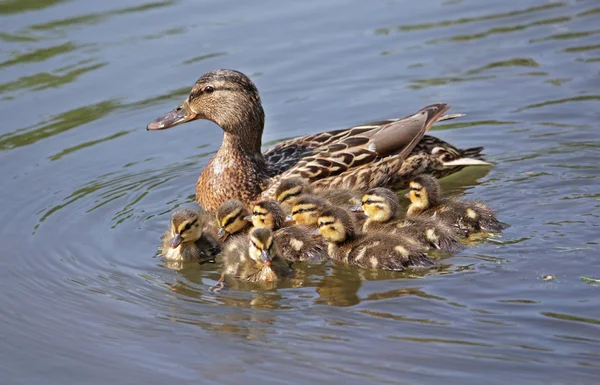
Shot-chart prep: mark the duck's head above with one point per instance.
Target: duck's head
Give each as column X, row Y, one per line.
column 335, row 225
column 291, row 188
column 306, row 209
column 262, row 247
column 231, row 218
column 267, row 214
column 185, row 227
column 380, row 204
column 423, row 192
column 227, row 97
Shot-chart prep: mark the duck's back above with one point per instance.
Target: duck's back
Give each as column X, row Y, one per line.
column 295, row 243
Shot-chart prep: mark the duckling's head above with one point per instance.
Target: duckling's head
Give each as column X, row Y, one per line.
column 291, row 188
column 231, row 218
column 227, row 97
column 424, row 192
column 306, row 209
column 336, row 225
column 262, row 247
column 268, row 214
column 185, row 227
column 380, row 204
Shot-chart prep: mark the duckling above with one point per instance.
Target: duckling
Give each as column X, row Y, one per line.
column 190, row 238
column 295, row 243
column 290, row 189
column 466, row 215
column 382, row 209
column 255, row 258
column 373, row 250
column 306, row 209
column 232, row 218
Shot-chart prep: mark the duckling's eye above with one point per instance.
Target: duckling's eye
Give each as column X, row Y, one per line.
column 209, row 89
column 418, row 195
column 187, row 226
column 368, row 202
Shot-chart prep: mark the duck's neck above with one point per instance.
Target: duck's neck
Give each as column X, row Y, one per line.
column 249, row 145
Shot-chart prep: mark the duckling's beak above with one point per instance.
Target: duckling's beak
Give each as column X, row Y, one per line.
column 288, row 220
column 357, row 209
column 266, row 257
column 222, row 234
column 248, row 218
column 172, row 118
column 177, row 239
column 407, row 195
column 315, row 233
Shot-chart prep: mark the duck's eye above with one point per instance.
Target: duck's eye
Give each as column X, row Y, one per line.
column 209, row 89
column 367, row 202
column 418, row 195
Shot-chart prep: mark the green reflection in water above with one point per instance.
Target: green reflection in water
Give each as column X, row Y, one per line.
column 582, row 48
column 561, row 101
column 465, row 20
column 70, row 150
column 98, row 17
column 40, row 54
column 566, row 36
column 16, row 6
column 568, row 317
column 422, row 83
column 59, row 124
column 45, row 80
column 11, row 38
column 204, row 57
column 516, row 62
column 498, row 30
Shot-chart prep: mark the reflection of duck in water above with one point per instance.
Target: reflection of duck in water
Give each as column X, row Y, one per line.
column 190, row 238
column 466, row 215
column 255, row 258
column 357, row 158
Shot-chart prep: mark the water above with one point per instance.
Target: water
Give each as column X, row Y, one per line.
column 86, row 191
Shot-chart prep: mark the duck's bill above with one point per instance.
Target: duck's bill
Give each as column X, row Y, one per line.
column 315, row 233
column 222, row 234
column 180, row 115
column 177, row 239
column 357, row 209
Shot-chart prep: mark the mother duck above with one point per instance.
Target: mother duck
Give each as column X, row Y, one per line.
column 357, row 158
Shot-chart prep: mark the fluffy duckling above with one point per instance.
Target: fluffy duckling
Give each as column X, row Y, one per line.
column 466, row 215
column 373, row 250
column 255, row 258
column 382, row 208
column 291, row 188
column 232, row 218
column 306, row 210
column 295, row 243
column 190, row 238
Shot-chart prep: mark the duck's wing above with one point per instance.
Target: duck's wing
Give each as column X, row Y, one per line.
column 283, row 156
column 366, row 153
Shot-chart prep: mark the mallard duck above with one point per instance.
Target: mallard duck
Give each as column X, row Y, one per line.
column 291, row 188
column 466, row 215
column 232, row 218
column 190, row 238
column 306, row 210
column 360, row 157
column 294, row 242
column 382, row 208
column 255, row 258
column 368, row 250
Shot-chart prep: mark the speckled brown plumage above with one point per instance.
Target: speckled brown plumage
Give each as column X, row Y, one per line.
column 240, row 171
column 196, row 237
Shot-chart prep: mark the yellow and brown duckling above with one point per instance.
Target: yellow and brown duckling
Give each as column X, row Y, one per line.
column 190, row 238
column 306, row 209
column 465, row 215
column 382, row 208
column 294, row 242
column 360, row 157
column 367, row 250
column 232, row 219
column 255, row 258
